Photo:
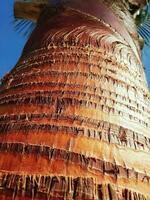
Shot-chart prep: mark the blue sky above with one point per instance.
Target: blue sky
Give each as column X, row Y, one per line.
column 12, row 43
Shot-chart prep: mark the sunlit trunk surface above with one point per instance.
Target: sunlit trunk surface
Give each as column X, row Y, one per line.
column 75, row 111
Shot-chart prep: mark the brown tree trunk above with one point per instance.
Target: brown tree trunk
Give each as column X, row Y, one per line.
column 74, row 112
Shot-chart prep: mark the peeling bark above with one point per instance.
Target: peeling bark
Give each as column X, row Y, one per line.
column 74, row 113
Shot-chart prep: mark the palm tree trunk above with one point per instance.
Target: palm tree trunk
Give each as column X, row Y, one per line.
column 74, row 112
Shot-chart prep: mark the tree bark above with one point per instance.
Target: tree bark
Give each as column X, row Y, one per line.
column 74, row 112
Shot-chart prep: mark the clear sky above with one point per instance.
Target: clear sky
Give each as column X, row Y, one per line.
column 12, row 43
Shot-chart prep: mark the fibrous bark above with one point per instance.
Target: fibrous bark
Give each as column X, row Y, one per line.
column 74, row 114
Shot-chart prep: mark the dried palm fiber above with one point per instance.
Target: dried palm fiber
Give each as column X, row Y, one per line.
column 74, row 112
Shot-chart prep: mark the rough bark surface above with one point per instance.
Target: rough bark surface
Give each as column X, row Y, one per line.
column 75, row 115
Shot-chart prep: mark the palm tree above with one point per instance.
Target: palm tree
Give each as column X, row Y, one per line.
column 74, row 111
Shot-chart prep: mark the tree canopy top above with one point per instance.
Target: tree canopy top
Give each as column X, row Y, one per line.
column 31, row 9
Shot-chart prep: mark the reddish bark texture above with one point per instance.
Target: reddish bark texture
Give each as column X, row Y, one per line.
column 74, row 115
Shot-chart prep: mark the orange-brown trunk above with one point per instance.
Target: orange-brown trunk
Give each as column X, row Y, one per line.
column 74, row 115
